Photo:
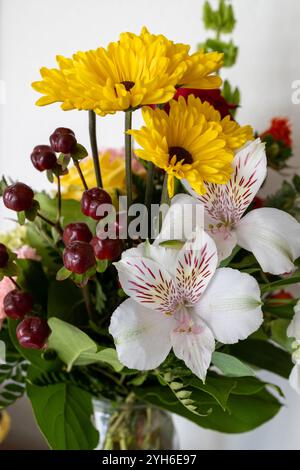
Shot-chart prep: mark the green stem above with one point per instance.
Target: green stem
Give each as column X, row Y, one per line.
column 149, row 193
column 128, row 157
column 164, row 198
column 81, row 176
column 95, row 154
column 49, row 222
column 87, row 301
column 15, row 283
column 58, row 200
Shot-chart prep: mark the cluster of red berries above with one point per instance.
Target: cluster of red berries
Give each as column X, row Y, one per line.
column 62, row 140
column 32, row 332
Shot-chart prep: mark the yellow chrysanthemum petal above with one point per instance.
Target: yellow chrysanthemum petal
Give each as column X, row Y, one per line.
column 185, row 144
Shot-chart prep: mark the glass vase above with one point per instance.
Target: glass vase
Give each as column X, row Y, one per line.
column 133, row 426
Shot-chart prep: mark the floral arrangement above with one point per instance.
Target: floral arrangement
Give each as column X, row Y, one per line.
column 178, row 308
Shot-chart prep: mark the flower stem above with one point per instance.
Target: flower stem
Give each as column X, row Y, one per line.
column 93, row 139
column 87, row 301
column 77, row 166
column 149, row 193
column 164, row 199
column 58, row 200
column 128, row 157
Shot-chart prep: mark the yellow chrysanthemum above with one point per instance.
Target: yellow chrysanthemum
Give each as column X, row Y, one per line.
column 135, row 71
column 4, row 425
column 185, row 144
column 113, row 174
column 234, row 134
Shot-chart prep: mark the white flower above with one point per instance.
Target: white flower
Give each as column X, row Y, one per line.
column 293, row 331
column 273, row 236
column 179, row 300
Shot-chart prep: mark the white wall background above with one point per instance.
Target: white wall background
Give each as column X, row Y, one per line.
column 32, row 32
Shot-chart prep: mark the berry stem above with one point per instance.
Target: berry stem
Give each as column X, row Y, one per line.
column 58, row 200
column 49, row 222
column 128, row 158
column 149, row 192
column 15, row 283
column 87, row 301
column 93, row 139
column 77, row 166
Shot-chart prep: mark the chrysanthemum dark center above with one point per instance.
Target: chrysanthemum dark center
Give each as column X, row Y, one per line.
column 128, row 85
column 181, row 154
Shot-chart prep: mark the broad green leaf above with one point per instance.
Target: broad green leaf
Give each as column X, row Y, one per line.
column 218, row 387
column 228, row 260
column 79, row 152
column 64, row 300
column 33, row 279
column 74, row 347
column 245, row 412
column 231, row 366
column 263, row 355
column 64, row 415
column 278, row 330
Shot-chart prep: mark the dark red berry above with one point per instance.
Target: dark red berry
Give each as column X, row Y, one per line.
column 17, row 304
column 33, row 332
column 4, row 256
column 18, row 197
column 107, row 249
column 91, row 201
column 43, row 158
column 77, row 232
column 79, row 257
column 63, row 140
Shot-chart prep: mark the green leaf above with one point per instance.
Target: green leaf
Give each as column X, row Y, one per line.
column 79, row 152
column 231, row 366
column 64, row 415
column 31, row 213
column 296, row 182
column 63, row 274
column 74, row 347
column 245, row 412
column 100, row 298
column 263, row 355
column 33, row 279
column 64, row 300
column 278, row 330
column 218, row 387
column 229, row 50
column 21, row 217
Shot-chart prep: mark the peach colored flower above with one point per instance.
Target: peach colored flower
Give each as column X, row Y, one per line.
column 27, row 252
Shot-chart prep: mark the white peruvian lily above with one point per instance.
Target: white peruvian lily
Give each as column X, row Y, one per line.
column 273, row 236
column 178, row 299
column 293, row 331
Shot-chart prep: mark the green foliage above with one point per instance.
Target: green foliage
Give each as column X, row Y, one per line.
column 231, row 95
column 229, row 50
column 278, row 333
column 221, row 20
column 287, row 197
column 74, row 347
column 278, row 153
column 79, row 152
column 63, row 412
column 232, row 405
column 263, row 355
column 12, row 380
column 230, row 365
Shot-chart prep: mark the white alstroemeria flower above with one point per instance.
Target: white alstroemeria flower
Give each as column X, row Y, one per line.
column 293, row 331
column 178, row 299
column 272, row 235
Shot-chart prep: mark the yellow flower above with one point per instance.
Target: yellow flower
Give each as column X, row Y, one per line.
column 234, row 134
column 135, row 71
column 113, row 175
column 185, row 144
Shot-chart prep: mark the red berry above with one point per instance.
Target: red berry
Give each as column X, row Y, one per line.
column 63, row 140
column 79, row 257
column 33, row 332
column 281, row 295
column 43, row 158
column 18, row 197
column 17, row 304
column 77, row 232
column 107, row 249
column 91, row 201
column 4, row 256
